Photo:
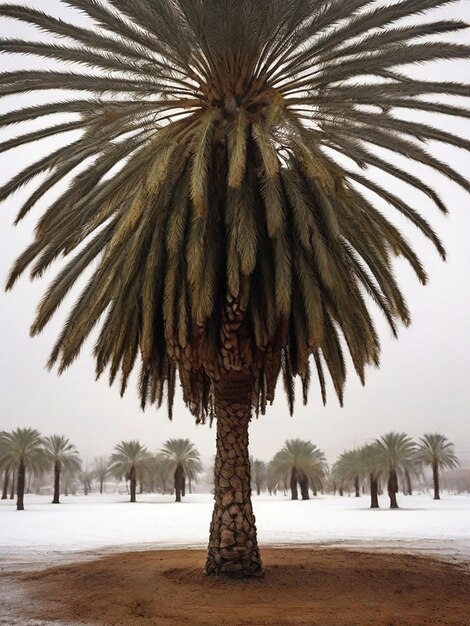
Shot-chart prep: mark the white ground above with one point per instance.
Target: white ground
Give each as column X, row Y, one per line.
column 46, row 532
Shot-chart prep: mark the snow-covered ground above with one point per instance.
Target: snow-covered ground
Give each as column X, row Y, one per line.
column 109, row 522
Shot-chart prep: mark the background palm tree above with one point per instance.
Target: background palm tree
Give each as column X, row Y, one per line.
column 228, row 242
column 129, row 459
column 102, row 469
column 348, row 468
column 22, row 450
column 86, row 477
column 259, row 474
column 436, row 451
column 397, row 452
column 300, row 463
column 184, row 461
column 61, row 454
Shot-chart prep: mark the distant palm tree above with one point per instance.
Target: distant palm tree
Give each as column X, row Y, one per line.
column 348, row 468
column 259, row 474
column 436, row 451
column 102, row 469
column 22, row 450
column 129, row 459
column 223, row 191
column 185, row 462
column 62, row 455
column 86, row 477
column 371, row 464
column 300, row 463
column 396, row 452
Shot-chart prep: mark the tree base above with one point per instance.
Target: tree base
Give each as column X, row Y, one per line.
column 235, row 563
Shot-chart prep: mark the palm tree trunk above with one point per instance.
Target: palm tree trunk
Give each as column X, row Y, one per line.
column 393, row 489
column 178, row 482
column 341, row 491
column 356, row 487
column 409, row 486
column 435, row 480
column 6, row 480
column 56, row 483
column 293, row 485
column 304, row 488
column 183, row 484
column 374, row 495
column 101, row 484
column 12, row 486
column 233, row 546
column 20, row 486
column 133, row 481
column 189, row 485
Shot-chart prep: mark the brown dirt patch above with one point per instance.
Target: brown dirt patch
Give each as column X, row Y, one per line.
column 302, row 586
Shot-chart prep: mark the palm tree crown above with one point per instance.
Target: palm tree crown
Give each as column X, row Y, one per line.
column 302, row 458
column 183, row 453
column 436, row 449
column 205, row 182
column 128, row 455
column 396, row 450
column 58, row 448
column 23, row 445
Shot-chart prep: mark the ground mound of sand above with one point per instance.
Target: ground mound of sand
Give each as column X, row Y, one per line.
column 301, row 586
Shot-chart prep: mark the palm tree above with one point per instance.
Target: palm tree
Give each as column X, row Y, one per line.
column 86, row 477
column 227, row 241
column 184, row 461
column 300, row 463
column 259, row 474
column 129, row 459
column 397, row 453
column 348, row 467
column 62, row 455
column 22, row 450
column 102, row 469
column 372, row 467
column 436, row 451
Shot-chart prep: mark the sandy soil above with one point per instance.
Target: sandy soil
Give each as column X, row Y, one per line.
column 301, row 586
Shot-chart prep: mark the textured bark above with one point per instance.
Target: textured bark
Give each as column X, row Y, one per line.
column 20, row 486
column 233, row 547
column 6, row 480
column 435, row 480
column 183, row 484
column 393, row 489
column 374, row 496
column 133, row 482
column 293, row 485
column 356, row 487
column 56, row 483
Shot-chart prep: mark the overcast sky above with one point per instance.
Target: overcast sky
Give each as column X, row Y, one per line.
column 423, row 384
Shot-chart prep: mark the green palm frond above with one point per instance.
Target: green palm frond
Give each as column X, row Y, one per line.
column 182, row 453
column 23, row 445
column 128, row 455
column 302, row 456
column 436, row 449
column 207, row 186
column 58, row 448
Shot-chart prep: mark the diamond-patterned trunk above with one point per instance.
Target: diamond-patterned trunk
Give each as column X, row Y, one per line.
column 233, row 547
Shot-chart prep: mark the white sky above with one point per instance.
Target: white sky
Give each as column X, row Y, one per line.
column 422, row 384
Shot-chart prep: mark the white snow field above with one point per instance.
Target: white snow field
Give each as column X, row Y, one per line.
column 46, row 532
